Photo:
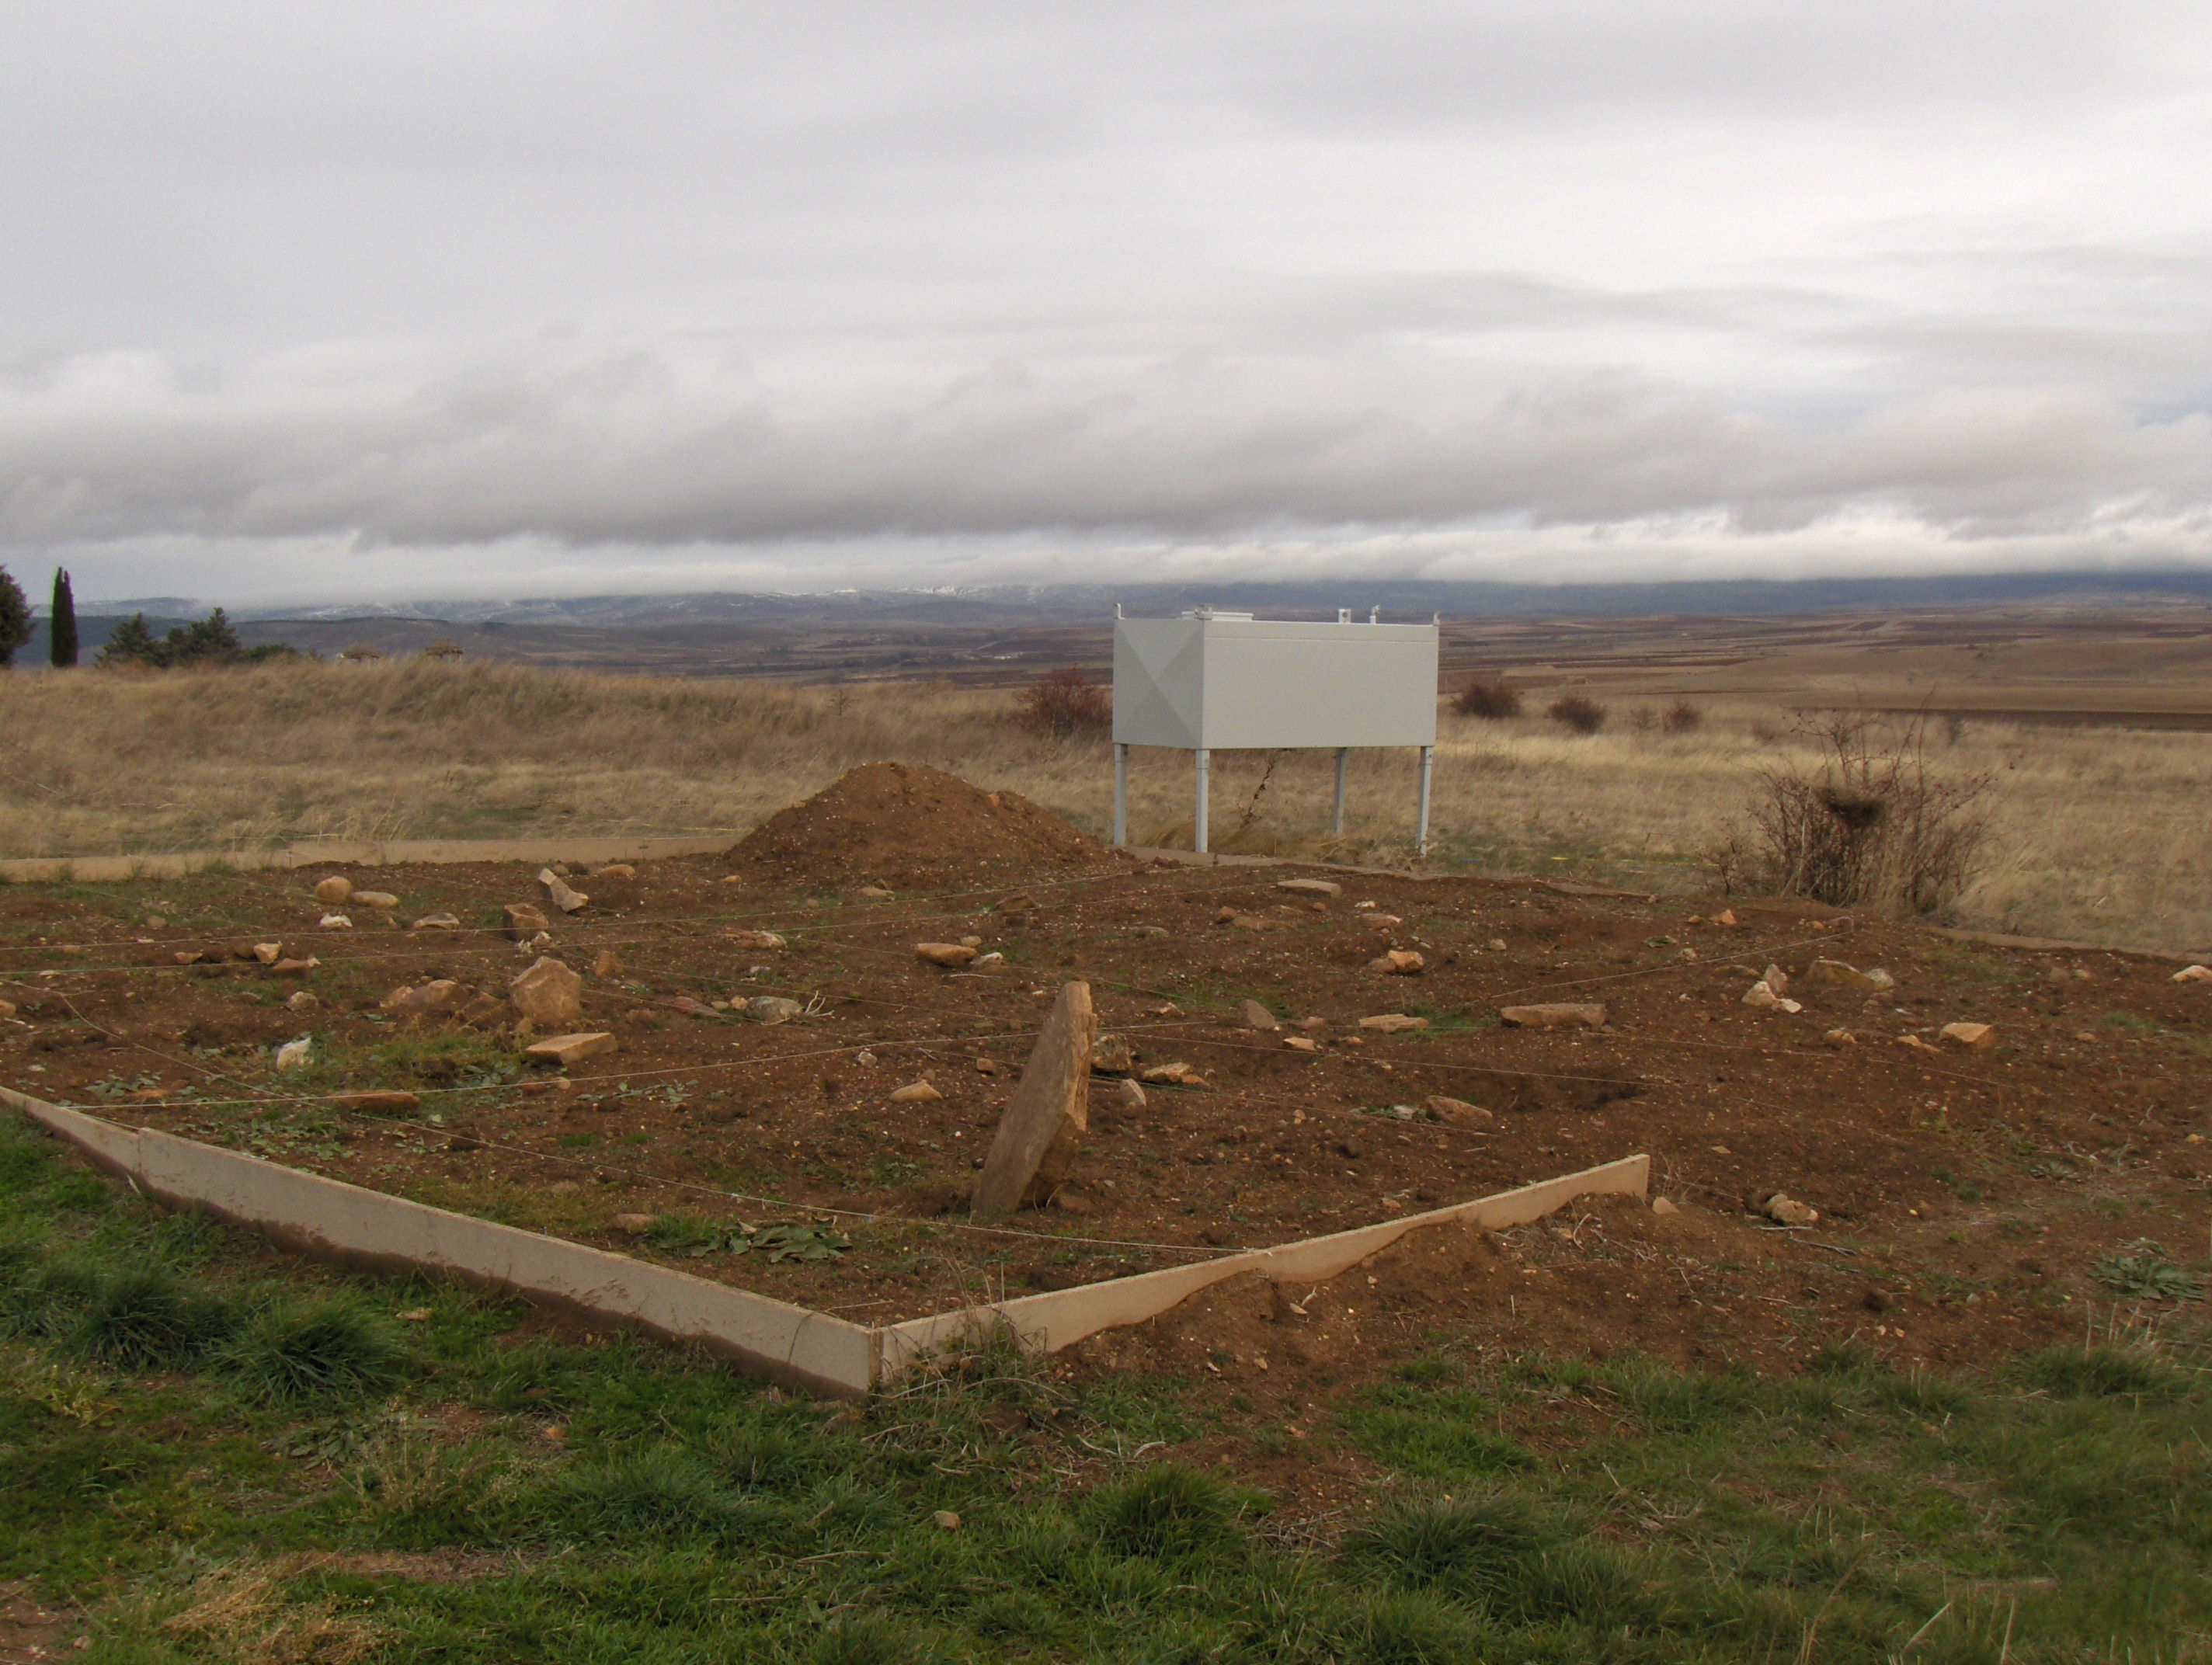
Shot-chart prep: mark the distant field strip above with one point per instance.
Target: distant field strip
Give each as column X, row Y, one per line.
column 2097, row 831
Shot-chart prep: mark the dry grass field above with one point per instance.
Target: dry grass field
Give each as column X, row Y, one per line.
column 2095, row 832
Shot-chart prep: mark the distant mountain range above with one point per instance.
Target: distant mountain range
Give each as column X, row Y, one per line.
column 1014, row 605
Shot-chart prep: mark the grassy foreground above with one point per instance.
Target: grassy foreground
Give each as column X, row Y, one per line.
column 217, row 1455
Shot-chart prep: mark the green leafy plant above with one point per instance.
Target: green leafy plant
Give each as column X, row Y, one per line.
column 2142, row 1271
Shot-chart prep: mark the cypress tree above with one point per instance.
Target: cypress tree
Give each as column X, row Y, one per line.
column 61, row 628
column 14, row 618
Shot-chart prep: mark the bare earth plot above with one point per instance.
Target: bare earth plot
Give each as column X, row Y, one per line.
column 1970, row 1201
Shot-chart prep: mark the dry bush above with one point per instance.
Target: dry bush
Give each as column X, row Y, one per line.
column 1496, row 698
column 1682, row 717
column 1065, row 702
column 1865, row 823
column 1577, row 713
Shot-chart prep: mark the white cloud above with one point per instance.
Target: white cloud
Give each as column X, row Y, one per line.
column 592, row 297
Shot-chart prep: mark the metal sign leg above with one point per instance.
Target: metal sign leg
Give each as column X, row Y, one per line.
column 1205, row 760
column 1121, row 795
column 1421, row 825
column 1336, row 815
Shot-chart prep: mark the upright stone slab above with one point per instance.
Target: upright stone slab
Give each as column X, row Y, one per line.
column 1045, row 1124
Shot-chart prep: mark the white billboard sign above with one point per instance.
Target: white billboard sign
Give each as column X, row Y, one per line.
column 1211, row 681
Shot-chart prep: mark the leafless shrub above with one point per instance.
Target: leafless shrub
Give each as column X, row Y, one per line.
column 1065, row 702
column 1643, row 720
column 1496, row 698
column 1583, row 716
column 1682, row 717
column 1866, row 823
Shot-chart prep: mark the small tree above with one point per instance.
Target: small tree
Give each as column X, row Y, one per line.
column 209, row 640
column 61, row 628
column 14, row 618
column 130, row 643
column 1495, row 698
column 1683, row 718
column 1065, row 702
column 1583, row 716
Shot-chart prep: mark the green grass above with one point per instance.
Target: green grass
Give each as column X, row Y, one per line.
column 180, row 1410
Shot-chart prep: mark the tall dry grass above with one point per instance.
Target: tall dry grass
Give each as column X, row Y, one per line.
column 2097, row 834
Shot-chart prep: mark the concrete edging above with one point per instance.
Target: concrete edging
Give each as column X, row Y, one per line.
column 335, row 1221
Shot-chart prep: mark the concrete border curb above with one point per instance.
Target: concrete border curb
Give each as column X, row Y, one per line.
column 334, row 1220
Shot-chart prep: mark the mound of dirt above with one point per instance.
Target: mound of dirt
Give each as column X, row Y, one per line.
column 904, row 824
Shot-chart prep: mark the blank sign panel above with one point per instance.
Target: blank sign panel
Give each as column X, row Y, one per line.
column 1230, row 682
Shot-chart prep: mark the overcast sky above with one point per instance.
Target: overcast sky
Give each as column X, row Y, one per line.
column 305, row 301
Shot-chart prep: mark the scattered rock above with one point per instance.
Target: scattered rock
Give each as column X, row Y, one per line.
column 1253, row 1015
column 1840, row 1037
column 1834, row 974
column 1380, row 922
column 771, row 1009
column 482, row 1011
column 690, row 1007
column 1785, row 1210
column 525, row 920
column 548, row 995
column 1458, row 1112
column 635, row 1225
column 1112, row 1055
column 1919, row 1045
column 1726, row 916
column 972, row 942
column 294, row 968
column 1776, row 979
column 1556, row 1015
column 1497, row 945
column 615, row 870
column 1760, row 994
column 1131, row 1097
column 557, row 892
column 1176, row 1075
column 190, row 955
column 756, row 939
column 301, row 1001
column 1310, row 887
column 436, row 922
column 566, row 1049
column 1301, row 1043
column 1976, row 1038
column 944, row 953
column 380, row 1101
column 986, row 1066
column 333, row 891
column 440, row 994
column 985, row 961
column 608, row 964
column 1399, row 963
column 295, row 1054
column 1048, row 1116
column 873, row 893
column 1661, row 1206
column 2193, row 973
column 268, row 952
column 1393, row 1022
column 917, row 1092
column 335, row 922
column 1254, row 922
column 1151, row 933
column 383, row 900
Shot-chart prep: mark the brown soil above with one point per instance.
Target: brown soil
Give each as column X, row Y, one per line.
column 1965, row 1197
column 901, row 825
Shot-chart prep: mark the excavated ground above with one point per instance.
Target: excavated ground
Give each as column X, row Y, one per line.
column 1967, row 1199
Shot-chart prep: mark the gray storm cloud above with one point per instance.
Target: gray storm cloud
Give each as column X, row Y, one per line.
column 697, row 295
